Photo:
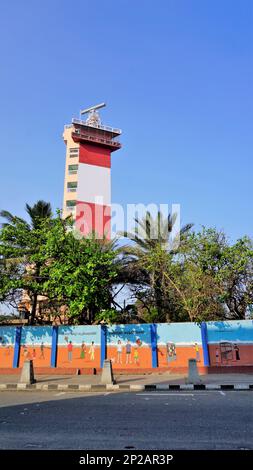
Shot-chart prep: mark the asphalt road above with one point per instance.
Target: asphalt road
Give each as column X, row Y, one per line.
column 143, row 421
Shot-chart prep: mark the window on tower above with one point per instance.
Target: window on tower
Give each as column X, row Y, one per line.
column 71, row 204
column 73, row 169
column 74, row 152
column 71, row 186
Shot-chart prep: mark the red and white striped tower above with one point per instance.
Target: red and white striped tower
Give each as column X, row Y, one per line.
column 87, row 186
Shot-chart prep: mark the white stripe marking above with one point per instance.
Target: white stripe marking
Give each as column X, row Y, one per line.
column 166, row 394
column 222, row 393
column 61, row 393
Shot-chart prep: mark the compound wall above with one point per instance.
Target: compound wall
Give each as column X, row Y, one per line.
column 131, row 347
column 79, row 346
column 178, row 342
column 7, row 343
column 36, row 342
column 230, row 343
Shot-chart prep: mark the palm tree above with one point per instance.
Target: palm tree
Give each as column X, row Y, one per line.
column 126, row 275
column 41, row 210
column 151, row 252
column 38, row 213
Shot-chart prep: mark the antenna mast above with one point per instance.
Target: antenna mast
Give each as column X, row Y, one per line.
column 93, row 118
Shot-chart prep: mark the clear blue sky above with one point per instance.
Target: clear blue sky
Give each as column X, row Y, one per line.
column 177, row 78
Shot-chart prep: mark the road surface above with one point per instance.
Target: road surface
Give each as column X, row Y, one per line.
column 143, row 421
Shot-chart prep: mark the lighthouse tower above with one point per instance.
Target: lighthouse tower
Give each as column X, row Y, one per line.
column 87, row 184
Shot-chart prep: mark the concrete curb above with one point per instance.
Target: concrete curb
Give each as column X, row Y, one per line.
column 121, row 387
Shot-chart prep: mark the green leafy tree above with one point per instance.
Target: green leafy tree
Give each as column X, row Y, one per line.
column 228, row 266
column 8, row 273
column 150, row 255
column 51, row 261
column 107, row 316
column 79, row 273
column 21, row 243
column 198, row 293
column 236, row 276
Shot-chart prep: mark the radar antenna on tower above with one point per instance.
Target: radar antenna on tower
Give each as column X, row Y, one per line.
column 93, row 118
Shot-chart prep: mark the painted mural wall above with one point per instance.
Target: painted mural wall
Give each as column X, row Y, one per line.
column 7, row 341
column 79, row 346
column 178, row 342
column 230, row 343
column 129, row 346
column 36, row 344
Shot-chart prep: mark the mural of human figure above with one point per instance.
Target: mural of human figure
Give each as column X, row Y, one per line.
column 70, row 351
column 136, row 354
column 26, row 352
column 34, row 353
column 92, row 351
column 197, row 352
column 237, row 352
column 83, row 350
column 42, row 348
column 128, row 352
column 119, row 352
column 138, row 341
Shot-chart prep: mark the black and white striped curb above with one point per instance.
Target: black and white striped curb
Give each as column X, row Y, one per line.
column 121, row 387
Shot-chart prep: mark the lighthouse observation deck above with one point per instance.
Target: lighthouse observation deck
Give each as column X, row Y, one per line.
column 92, row 130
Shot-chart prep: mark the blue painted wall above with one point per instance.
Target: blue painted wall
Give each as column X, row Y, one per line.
column 129, row 332
column 232, row 331
column 35, row 335
column 179, row 333
column 7, row 335
column 78, row 334
column 7, row 347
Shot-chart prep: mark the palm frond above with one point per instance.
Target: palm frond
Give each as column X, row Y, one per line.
column 10, row 218
column 39, row 211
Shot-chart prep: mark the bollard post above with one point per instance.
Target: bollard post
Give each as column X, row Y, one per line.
column 193, row 374
column 27, row 374
column 107, row 374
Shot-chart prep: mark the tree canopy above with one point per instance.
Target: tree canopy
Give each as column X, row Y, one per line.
column 200, row 277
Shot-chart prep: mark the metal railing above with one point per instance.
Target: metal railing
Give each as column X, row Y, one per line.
column 97, row 126
column 94, row 138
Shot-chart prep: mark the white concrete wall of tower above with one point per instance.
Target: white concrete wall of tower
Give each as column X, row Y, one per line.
column 94, row 184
